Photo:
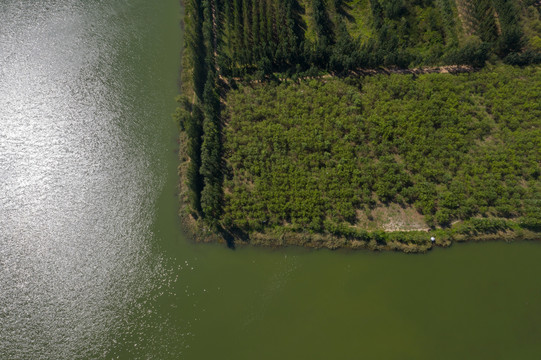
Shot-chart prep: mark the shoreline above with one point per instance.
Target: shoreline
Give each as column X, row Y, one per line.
column 313, row 241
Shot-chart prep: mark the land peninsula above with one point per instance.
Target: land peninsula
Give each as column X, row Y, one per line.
column 360, row 124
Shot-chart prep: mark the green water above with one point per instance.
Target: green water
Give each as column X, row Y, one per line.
column 94, row 265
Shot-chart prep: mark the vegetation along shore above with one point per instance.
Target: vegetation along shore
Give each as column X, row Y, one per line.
column 385, row 125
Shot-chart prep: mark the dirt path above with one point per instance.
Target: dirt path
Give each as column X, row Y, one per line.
column 446, row 69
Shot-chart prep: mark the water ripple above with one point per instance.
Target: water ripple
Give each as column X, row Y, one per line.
column 76, row 191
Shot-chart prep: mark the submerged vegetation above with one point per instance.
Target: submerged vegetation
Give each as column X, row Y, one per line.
column 325, row 157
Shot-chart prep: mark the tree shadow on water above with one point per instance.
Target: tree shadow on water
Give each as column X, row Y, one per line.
column 229, row 238
column 232, row 234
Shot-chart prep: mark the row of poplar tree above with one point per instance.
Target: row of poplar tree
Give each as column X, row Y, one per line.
column 200, row 116
column 265, row 36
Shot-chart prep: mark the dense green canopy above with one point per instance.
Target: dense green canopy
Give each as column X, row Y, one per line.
column 318, row 154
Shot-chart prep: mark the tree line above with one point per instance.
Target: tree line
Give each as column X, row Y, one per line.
column 200, row 116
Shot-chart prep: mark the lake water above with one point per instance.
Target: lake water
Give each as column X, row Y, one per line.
column 94, row 265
